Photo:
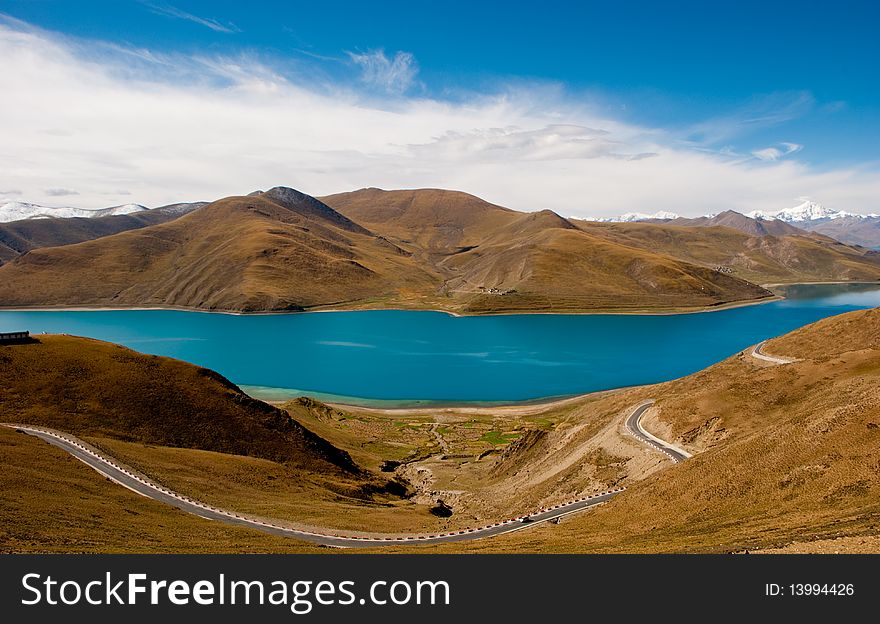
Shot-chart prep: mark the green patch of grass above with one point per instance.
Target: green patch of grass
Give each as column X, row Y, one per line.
column 498, row 437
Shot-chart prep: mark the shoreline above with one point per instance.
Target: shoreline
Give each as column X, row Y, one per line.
column 426, row 406
column 514, row 408
column 329, row 308
column 780, row 284
column 610, row 312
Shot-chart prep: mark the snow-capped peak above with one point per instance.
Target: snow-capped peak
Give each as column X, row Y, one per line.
column 630, row 217
column 805, row 211
column 17, row 211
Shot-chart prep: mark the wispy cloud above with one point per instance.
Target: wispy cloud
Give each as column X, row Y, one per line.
column 774, row 153
column 171, row 11
column 552, row 142
column 393, row 75
column 60, row 192
column 11, row 192
column 761, row 113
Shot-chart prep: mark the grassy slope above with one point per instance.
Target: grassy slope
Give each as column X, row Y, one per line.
column 88, row 387
column 51, row 502
column 240, row 253
column 268, row 489
column 545, row 259
column 836, row 335
column 431, row 219
column 759, row 259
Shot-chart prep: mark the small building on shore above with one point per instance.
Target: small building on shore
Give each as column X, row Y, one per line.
column 14, row 337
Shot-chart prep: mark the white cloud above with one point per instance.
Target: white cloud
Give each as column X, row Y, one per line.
column 393, row 75
column 170, row 11
column 768, row 153
column 99, row 118
column 552, row 142
column 775, row 153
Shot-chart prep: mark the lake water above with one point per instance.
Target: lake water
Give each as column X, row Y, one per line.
column 412, row 358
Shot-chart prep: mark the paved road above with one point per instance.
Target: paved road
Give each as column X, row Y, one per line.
column 633, row 424
column 756, row 353
column 127, row 478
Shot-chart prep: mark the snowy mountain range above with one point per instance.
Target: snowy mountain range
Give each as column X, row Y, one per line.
column 847, row 227
column 18, row 211
column 631, row 217
column 806, row 211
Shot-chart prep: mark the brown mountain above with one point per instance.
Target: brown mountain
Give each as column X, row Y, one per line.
column 432, row 219
column 95, row 388
column 493, row 259
column 19, row 237
column 283, row 250
column 864, row 231
column 738, row 221
column 277, row 250
column 760, row 259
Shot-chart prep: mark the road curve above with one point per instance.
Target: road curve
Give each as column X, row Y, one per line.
column 122, row 475
column 756, row 353
column 633, row 425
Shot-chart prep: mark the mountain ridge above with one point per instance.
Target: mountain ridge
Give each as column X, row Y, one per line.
column 17, row 211
column 847, row 227
column 283, row 250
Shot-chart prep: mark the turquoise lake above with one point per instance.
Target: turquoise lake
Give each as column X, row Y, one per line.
column 412, row 358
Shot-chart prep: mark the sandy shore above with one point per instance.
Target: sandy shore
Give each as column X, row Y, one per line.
column 776, row 285
column 512, row 409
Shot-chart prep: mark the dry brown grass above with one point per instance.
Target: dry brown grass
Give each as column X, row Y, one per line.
column 758, row 259
column 833, row 336
column 272, row 490
column 53, row 503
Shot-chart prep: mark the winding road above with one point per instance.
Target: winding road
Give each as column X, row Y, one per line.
column 633, row 425
column 756, row 353
column 126, row 477
column 139, row 484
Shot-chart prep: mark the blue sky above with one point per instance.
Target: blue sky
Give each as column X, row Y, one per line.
column 775, row 100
